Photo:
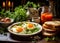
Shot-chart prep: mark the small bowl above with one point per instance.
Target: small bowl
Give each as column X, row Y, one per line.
column 26, row 35
column 4, row 24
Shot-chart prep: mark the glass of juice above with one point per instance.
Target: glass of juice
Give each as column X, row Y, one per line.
column 46, row 15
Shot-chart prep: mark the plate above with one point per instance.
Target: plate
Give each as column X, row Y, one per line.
column 15, row 33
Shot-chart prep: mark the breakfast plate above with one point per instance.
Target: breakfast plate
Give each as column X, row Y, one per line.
column 25, row 28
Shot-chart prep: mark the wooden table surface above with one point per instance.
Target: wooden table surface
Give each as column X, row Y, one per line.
column 8, row 39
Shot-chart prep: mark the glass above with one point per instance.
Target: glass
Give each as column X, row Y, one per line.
column 36, row 19
column 46, row 14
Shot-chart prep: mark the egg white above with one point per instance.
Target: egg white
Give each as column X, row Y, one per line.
column 24, row 25
column 14, row 29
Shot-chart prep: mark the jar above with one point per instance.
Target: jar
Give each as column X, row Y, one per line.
column 46, row 14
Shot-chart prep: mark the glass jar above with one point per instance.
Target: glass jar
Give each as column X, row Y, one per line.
column 46, row 14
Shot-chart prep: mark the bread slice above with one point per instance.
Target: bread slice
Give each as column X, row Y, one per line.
column 49, row 30
column 46, row 26
column 52, row 24
column 48, row 34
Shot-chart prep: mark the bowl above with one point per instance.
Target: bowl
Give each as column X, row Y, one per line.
column 6, row 24
column 34, row 33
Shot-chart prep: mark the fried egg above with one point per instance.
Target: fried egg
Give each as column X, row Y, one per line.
column 17, row 29
column 30, row 26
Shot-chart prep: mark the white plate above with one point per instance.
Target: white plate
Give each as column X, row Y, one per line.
column 9, row 29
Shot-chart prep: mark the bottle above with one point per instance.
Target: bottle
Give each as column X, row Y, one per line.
column 46, row 14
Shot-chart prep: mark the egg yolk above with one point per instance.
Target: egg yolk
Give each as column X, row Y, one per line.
column 30, row 25
column 19, row 29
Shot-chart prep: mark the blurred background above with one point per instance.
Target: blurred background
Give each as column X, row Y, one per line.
column 11, row 4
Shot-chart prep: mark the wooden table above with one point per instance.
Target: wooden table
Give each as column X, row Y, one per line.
column 9, row 39
column 6, row 39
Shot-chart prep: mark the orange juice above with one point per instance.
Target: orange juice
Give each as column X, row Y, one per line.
column 47, row 16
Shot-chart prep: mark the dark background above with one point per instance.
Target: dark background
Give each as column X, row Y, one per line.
column 21, row 2
column 42, row 2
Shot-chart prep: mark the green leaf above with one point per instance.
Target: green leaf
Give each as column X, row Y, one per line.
column 47, row 39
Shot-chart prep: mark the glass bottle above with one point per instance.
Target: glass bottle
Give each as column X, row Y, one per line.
column 46, row 14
